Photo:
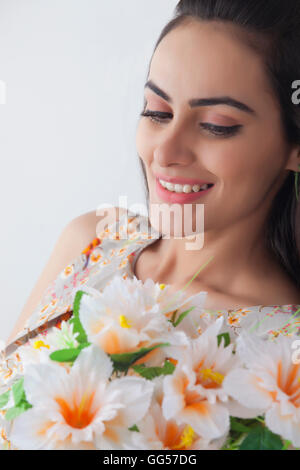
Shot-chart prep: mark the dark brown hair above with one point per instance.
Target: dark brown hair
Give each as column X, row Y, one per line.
column 272, row 28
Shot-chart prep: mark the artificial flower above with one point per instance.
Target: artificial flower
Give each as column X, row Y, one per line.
column 194, row 393
column 125, row 317
column 81, row 408
column 269, row 380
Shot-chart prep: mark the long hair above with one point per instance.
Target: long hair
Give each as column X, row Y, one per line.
column 272, row 29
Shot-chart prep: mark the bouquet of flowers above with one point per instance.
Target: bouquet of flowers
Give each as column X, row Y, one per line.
column 134, row 368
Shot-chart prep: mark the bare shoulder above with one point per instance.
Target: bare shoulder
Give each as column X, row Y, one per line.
column 76, row 235
column 89, row 225
column 83, row 229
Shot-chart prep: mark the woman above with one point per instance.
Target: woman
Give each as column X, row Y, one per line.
column 218, row 110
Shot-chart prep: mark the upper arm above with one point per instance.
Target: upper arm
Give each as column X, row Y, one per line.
column 73, row 239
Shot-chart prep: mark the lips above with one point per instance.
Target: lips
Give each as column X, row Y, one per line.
column 179, row 198
column 181, row 180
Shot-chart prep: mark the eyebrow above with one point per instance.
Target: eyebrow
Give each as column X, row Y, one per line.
column 213, row 101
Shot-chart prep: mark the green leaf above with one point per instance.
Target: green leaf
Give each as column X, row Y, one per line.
column 18, row 391
column 75, row 320
column 181, row 316
column 233, row 443
column 4, row 399
column 123, row 361
column 65, row 355
column 69, row 354
column 152, row 372
column 21, row 403
column 238, row 425
column 226, row 337
column 15, row 411
column 286, row 445
column 261, row 438
column 134, row 428
column 173, row 316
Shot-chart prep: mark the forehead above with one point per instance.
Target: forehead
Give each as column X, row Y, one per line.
column 209, row 58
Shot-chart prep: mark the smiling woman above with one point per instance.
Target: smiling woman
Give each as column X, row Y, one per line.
column 218, row 129
column 218, row 110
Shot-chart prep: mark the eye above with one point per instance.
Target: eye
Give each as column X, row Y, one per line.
column 156, row 116
column 223, row 131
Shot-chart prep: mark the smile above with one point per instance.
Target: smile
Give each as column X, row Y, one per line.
column 184, row 188
column 181, row 194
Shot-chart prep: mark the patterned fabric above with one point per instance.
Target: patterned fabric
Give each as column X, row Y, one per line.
column 116, row 250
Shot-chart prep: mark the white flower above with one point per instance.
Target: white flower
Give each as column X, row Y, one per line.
column 63, row 337
column 194, row 393
column 36, row 351
column 270, row 381
column 80, row 409
column 158, row 433
column 126, row 317
column 39, row 348
column 168, row 302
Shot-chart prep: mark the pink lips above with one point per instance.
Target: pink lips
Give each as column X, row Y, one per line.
column 179, row 198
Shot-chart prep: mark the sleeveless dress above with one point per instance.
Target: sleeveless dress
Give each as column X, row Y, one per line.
column 115, row 251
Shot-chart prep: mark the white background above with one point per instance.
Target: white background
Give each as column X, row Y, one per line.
column 74, row 72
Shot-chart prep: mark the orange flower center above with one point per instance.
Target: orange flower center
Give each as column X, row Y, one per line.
column 79, row 415
column 291, row 384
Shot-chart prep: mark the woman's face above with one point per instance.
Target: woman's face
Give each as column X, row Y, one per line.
column 240, row 148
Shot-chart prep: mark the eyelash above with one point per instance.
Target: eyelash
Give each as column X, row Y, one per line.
column 223, row 131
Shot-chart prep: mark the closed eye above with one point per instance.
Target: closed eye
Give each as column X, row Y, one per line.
column 223, row 131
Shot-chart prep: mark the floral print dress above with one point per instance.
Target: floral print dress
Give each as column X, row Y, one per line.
column 115, row 251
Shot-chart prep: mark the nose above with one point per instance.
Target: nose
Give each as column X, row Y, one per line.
column 174, row 147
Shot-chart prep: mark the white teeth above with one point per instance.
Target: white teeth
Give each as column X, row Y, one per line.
column 186, row 188
column 169, row 186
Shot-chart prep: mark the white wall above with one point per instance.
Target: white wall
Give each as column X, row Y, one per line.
column 74, row 73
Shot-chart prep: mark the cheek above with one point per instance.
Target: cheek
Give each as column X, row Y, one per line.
column 243, row 162
column 247, row 175
column 259, row 155
column 229, row 162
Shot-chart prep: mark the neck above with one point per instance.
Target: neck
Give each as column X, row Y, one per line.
column 237, row 260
